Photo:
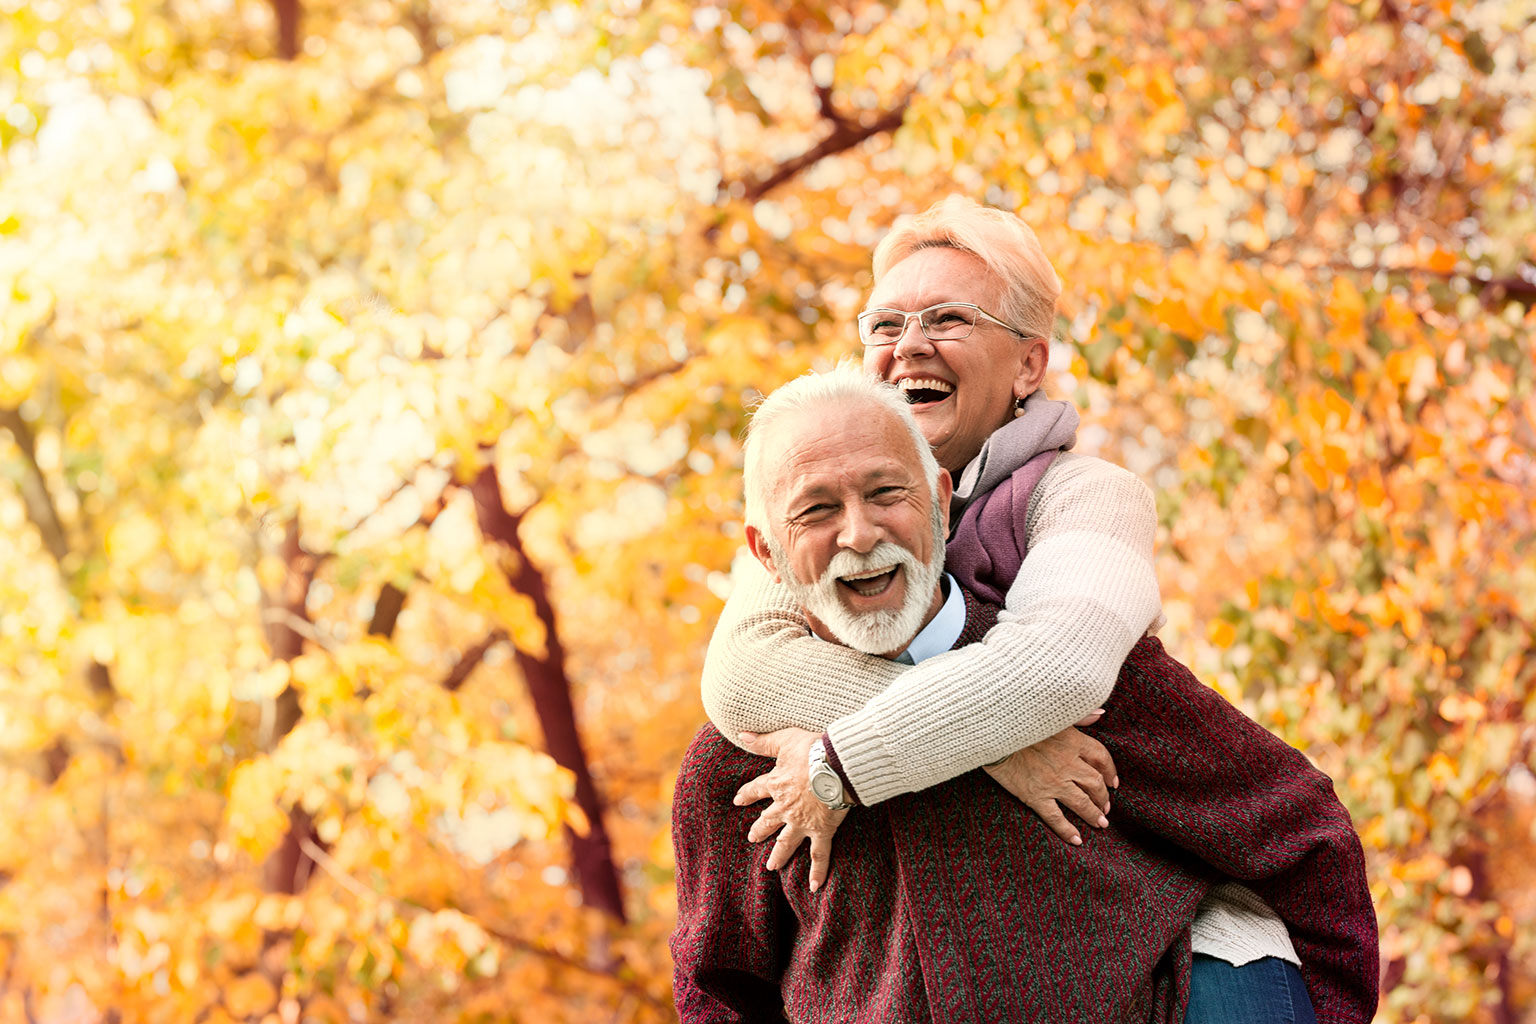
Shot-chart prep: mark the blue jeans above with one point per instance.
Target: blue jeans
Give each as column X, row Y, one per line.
column 1267, row 991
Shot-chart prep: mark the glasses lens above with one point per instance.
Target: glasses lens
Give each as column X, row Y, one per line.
column 881, row 326
column 946, row 323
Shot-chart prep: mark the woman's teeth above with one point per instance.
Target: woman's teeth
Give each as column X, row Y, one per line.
column 918, row 390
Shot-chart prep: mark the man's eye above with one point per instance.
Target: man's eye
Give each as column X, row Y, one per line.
column 814, row 510
column 890, row 493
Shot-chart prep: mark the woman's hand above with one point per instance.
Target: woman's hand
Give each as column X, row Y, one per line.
column 1070, row 767
column 794, row 813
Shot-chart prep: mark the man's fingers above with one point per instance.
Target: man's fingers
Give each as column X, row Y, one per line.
column 1090, row 718
column 752, row 792
column 1056, row 821
column 821, row 860
column 784, row 848
column 765, row 825
column 756, row 742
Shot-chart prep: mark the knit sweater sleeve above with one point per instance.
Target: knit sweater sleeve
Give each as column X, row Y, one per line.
column 1085, row 593
column 733, row 923
column 764, row 669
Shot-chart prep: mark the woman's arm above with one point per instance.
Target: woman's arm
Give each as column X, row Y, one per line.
column 1085, row 594
column 765, row 670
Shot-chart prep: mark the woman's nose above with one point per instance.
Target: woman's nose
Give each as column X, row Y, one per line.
column 913, row 342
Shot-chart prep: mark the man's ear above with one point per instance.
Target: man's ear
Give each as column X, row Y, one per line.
column 1031, row 367
column 946, row 491
column 757, row 543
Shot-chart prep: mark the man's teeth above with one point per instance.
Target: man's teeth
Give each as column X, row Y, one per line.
column 870, row 584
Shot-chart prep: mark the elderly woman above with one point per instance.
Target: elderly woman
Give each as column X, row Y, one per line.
column 963, row 304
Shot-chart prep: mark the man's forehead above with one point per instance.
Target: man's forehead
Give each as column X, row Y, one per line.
column 815, row 448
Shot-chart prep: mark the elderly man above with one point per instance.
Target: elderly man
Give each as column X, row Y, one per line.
column 954, row 903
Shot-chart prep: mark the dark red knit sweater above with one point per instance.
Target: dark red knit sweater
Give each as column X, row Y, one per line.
column 953, row 904
column 1200, row 774
column 958, row 904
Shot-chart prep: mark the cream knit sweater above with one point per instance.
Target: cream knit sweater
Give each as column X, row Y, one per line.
column 1087, row 591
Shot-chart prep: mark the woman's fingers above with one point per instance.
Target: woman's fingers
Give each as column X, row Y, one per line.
column 1082, row 805
column 821, row 858
column 1057, row 822
column 1091, row 783
column 1097, row 756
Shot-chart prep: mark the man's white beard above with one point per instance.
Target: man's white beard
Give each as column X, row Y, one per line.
column 874, row 632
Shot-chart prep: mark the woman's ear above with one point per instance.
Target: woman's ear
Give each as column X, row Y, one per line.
column 1031, row 367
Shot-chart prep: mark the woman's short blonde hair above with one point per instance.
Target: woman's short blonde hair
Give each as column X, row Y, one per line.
column 999, row 239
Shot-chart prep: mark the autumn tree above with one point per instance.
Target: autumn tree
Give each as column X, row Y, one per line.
column 371, row 380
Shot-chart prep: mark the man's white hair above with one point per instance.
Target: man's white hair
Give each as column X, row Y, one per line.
column 845, row 384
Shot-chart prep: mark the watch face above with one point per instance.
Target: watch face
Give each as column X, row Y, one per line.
column 827, row 787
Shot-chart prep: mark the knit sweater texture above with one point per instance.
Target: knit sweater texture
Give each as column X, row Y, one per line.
column 988, row 546
column 1073, row 608
column 1084, row 595
column 952, row 904
column 958, row 904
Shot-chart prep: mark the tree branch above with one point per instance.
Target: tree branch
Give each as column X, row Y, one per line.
column 34, row 487
column 845, row 135
column 471, row 659
column 550, row 687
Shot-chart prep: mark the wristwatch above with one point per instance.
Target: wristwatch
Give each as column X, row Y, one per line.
column 826, row 784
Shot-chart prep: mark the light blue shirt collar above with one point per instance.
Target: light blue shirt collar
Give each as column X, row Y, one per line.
column 942, row 630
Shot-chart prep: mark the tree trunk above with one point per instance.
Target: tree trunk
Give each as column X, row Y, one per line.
column 288, row 868
column 591, row 854
column 289, row 13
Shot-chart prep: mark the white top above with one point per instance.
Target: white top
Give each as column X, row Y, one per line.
column 1087, row 591
column 940, row 632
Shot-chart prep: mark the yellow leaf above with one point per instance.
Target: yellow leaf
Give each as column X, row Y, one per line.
column 249, row 995
column 1060, row 145
column 1221, row 633
column 254, row 814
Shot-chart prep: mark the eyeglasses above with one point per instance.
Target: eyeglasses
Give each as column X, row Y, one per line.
column 946, row 321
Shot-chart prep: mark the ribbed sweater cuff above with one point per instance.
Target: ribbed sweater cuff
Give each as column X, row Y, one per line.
column 836, row 764
column 858, row 742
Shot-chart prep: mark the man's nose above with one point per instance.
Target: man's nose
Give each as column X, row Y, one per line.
column 860, row 531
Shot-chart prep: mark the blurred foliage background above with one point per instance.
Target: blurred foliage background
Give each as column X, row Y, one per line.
column 371, row 374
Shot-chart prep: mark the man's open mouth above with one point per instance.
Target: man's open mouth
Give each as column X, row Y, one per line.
column 925, row 390
column 870, row 584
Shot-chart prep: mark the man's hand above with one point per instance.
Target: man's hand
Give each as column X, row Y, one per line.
column 795, row 813
column 1070, row 767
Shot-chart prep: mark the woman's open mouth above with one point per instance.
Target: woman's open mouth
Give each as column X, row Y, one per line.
column 870, row 584
column 925, row 390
